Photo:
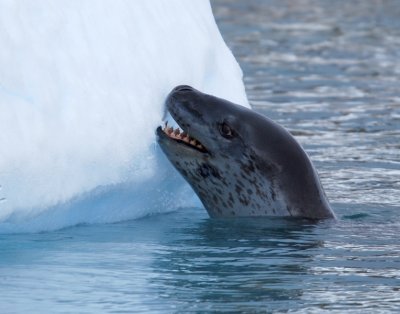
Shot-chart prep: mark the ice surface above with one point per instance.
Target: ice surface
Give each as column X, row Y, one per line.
column 82, row 85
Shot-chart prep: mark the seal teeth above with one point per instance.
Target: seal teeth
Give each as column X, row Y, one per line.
column 177, row 132
column 181, row 135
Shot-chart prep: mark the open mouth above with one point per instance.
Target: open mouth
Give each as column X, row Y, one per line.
column 182, row 137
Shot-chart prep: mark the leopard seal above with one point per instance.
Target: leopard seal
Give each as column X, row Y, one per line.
column 239, row 162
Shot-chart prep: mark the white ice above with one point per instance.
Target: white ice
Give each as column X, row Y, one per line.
column 82, row 85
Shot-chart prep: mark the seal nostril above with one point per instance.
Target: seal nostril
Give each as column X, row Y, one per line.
column 183, row 88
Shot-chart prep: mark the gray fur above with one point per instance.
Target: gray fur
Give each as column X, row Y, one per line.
column 259, row 170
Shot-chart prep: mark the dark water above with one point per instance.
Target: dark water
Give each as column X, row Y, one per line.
column 329, row 72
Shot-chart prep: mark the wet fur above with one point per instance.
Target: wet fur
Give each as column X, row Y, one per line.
column 245, row 176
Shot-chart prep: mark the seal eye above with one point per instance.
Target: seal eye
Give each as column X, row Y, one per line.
column 226, row 131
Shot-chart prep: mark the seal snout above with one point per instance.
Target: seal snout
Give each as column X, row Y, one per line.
column 179, row 94
column 182, row 88
column 178, row 104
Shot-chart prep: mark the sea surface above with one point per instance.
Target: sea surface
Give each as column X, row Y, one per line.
column 329, row 71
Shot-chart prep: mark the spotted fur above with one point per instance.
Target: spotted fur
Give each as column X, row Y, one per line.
column 248, row 165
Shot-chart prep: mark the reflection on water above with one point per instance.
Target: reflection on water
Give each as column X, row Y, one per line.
column 185, row 262
column 221, row 260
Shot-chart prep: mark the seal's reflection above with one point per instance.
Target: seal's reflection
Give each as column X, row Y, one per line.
column 237, row 261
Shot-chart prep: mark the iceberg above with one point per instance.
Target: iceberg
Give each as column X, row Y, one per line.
column 82, row 86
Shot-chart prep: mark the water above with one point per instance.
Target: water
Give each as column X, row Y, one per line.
column 183, row 262
column 328, row 71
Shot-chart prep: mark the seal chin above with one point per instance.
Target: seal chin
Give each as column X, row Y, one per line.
column 180, row 139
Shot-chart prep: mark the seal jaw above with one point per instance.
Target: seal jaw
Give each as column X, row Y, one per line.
column 180, row 138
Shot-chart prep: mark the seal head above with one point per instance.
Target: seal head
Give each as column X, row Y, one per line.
column 239, row 162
